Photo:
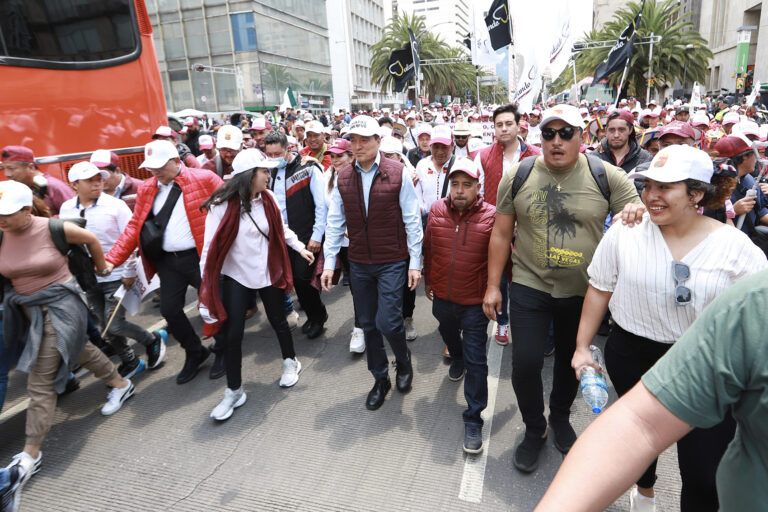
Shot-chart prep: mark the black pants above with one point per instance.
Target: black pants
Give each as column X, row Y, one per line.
column 628, row 357
column 177, row 271
column 531, row 312
column 309, row 296
column 344, row 255
column 236, row 299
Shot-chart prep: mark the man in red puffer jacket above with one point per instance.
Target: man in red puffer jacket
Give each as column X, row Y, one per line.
column 455, row 275
column 177, row 262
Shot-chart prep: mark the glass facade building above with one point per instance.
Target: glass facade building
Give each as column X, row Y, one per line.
column 274, row 44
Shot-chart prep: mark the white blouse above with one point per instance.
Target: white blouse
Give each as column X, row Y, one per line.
column 246, row 261
column 635, row 264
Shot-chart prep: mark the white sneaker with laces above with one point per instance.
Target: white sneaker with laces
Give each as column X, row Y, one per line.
column 116, row 398
column 502, row 334
column 293, row 319
column 410, row 330
column 357, row 343
column 640, row 503
column 28, row 465
column 232, row 400
column 291, row 371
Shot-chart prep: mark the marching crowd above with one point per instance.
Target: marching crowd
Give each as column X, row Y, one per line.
column 573, row 220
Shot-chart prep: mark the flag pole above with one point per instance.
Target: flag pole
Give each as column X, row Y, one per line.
column 416, row 72
column 650, row 71
column 621, row 84
column 575, row 80
column 511, row 61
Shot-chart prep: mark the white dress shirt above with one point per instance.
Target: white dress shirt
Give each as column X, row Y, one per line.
column 459, row 152
column 178, row 233
column 106, row 218
column 430, row 185
column 635, row 264
column 246, row 261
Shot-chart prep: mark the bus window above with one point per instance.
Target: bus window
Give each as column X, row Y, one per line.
column 72, row 34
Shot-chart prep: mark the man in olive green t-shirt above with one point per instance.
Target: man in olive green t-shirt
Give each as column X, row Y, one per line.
column 720, row 362
column 560, row 212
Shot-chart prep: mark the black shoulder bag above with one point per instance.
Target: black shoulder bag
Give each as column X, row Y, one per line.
column 151, row 236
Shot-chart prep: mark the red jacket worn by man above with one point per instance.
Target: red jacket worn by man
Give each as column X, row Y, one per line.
column 492, row 162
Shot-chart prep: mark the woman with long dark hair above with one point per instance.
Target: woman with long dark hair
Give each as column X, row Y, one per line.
column 244, row 253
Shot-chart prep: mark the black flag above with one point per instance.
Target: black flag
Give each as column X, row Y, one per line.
column 401, row 67
column 415, row 49
column 497, row 22
column 621, row 51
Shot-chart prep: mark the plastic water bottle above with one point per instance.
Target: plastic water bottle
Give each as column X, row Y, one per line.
column 592, row 383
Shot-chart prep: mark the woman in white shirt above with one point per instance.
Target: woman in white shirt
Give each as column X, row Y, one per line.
column 656, row 278
column 244, row 253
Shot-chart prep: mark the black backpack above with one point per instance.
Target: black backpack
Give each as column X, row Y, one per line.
column 79, row 261
column 596, row 167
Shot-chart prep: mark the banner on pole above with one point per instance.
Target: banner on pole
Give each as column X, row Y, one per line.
column 696, row 96
column 139, row 291
column 497, row 23
column 621, row 50
column 480, row 41
column 562, row 42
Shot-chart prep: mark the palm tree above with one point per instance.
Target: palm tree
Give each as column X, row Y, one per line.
column 276, row 78
column 682, row 50
column 452, row 78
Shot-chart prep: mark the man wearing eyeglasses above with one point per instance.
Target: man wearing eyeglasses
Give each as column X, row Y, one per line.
column 117, row 184
column 461, row 135
column 559, row 210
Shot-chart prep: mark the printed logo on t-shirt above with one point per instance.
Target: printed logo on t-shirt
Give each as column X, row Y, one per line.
column 553, row 227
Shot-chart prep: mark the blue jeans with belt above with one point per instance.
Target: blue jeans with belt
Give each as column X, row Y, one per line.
column 465, row 331
column 377, row 291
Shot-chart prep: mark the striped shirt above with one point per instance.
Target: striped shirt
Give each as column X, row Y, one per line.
column 635, row 264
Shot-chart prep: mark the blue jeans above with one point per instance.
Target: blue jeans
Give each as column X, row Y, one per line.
column 7, row 361
column 503, row 318
column 5, row 480
column 465, row 330
column 377, row 291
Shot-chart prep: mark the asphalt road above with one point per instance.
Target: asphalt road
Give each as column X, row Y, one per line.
column 310, row 447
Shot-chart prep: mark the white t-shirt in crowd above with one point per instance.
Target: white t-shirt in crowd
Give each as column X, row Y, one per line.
column 635, row 264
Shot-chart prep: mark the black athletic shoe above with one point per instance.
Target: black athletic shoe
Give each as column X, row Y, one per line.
column 156, row 351
column 565, row 436
column 473, row 438
column 456, row 370
column 526, row 457
column 131, row 368
column 192, row 365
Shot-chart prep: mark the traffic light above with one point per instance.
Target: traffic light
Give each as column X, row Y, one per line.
column 198, row 67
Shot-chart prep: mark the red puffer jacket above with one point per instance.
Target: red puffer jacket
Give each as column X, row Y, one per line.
column 456, row 251
column 197, row 185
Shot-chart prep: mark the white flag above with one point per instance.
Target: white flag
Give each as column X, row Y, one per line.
column 561, row 42
column 753, row 95
column 139, row 291
column 482, row 51
column 695, row 96
column 532, row 42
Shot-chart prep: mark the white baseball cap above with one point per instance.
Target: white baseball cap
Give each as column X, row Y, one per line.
column 248, row 159
column 731, row 118
column 566, row 113
column 157, row 153
column 189, row 121
column 229, row 137
column 259, row 124
column 299, row 124
column 314, row 127
column 746, row 128
column 465, row 165
column 423, row 128
column 14, row 196
column 308, row 117
column 391, row 145
column 700, row 118
column 84, row 171
column 677, row 163
column 206, row 142
column 164, row 131
column 441, row 135
column 365, row 126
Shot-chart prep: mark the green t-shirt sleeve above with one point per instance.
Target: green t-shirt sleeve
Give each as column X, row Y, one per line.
column 504, row 203
column 710, row 367
column 623, row 190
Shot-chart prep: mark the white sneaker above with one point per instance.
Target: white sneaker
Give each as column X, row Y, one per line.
column 640, row 503
column 232, row 400
column 502, row 334
column 357, row 343
column 291, row 371
column 410, row 330
column 116, row 398
column 293, row 319
column 27, row 464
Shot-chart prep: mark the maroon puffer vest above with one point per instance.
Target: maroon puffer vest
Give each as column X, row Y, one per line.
column 379, row 236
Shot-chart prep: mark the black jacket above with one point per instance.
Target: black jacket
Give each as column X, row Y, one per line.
column 636, row 155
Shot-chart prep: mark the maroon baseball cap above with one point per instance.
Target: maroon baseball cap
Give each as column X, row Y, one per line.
column 18, row 154
column 624, row 115
column 679, row 128
column 732, row 145
column 340, row 146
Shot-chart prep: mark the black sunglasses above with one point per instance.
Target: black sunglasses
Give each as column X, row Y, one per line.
column 681, row 273
column 565, row 133
column 461, row 136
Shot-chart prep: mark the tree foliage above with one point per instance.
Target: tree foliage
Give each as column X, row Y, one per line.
column 453, row 78
column 682, row 52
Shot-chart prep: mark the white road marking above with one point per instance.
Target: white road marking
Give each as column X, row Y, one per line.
column 22, row 406
column 474, row 465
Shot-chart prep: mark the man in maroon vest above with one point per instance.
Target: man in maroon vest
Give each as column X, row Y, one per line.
column 380, row 210
column 493, row 162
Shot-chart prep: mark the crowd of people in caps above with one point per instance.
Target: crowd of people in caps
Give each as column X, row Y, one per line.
column 573, row 221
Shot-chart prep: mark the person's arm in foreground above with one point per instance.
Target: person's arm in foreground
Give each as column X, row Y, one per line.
column 498, row 255
column 612, row 453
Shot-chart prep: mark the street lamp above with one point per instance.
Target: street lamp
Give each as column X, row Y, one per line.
column 225, row 71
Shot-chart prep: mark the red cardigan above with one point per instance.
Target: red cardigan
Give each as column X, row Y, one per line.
column 196, row 185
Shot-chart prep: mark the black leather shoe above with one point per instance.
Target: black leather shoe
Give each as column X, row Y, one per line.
column 192, row 365
column 307, row 326
column 315, row 330
column 377, row 394
column 218, row 369
column 404, row 375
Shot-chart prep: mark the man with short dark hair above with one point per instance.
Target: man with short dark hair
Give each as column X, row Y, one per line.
column 557, row 213
column 377, row 204
column 316, row 147
column 300, row 192
column 620, row 147
column 18, row 163
column 675, row 133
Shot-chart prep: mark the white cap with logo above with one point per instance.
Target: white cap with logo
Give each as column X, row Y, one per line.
column 248, row 159
column 365, row 126
column 157, row 153
column 314, row 127
column 230, row 137
column 677, row 163
column 85, row 171
column 14, row 196
column 566, row 113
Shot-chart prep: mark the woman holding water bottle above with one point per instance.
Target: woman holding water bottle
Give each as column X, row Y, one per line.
column 656, row 278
